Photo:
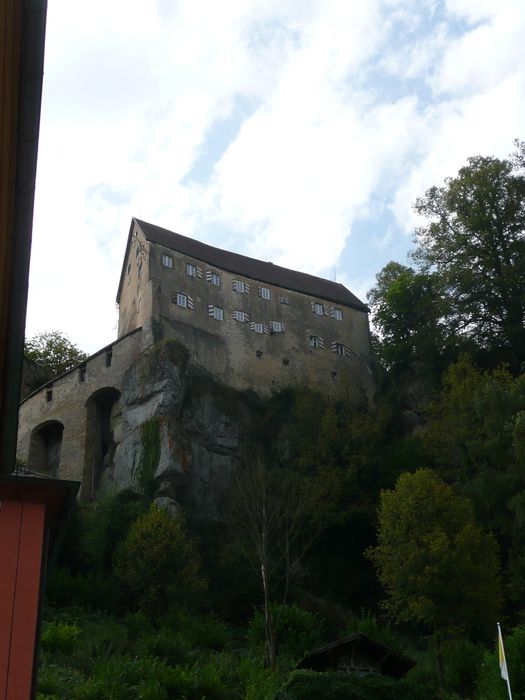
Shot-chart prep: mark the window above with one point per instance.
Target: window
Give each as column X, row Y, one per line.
column 213, row 278
column 258, row 354
column 82, row 374
column 284, row 300
column 241, row 316
column 338, row 348
column 286, row 361
column 167, row 261
column 129, row 268
column 240, row 286
column 182, row 300
column 49, row 395
column 315, row 341
column 318, row 308
column 215, row 312
column 265, row 293
column 337, row 314
column 258, row 327
column 109, row 357
column 191, row 270
column 276, row 327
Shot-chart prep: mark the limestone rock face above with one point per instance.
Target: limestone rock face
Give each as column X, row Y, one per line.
column 179, row 433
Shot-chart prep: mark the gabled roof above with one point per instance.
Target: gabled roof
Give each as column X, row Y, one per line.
column 390, row 662
column 249, row 267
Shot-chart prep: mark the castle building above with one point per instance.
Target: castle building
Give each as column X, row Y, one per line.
column 248, row 324
column 253, row 324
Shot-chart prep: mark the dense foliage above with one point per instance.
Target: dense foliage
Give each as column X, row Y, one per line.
column 53, row 353
column 429, row 480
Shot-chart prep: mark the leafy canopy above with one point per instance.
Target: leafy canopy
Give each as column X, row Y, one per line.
column 438, row 568
column 53, row 352
column 475, row 241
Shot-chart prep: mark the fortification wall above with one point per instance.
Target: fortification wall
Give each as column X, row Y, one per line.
column 57, row 422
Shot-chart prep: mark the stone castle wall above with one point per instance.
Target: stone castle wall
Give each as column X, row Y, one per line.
column 60, row 410
column 242, row 358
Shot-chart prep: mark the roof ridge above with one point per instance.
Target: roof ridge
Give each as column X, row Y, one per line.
column 259, row 270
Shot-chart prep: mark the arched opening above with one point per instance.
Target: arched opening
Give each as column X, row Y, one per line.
column 102, row 407
column 45, row 446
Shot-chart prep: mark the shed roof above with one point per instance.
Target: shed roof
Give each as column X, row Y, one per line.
column 390, row 662
column 249, row 267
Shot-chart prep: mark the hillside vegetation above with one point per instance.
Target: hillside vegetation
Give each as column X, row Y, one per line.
column 404, row 520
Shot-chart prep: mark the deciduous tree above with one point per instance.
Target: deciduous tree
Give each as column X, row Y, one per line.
column 475, row 240
column 437, row 566
column 53, row 352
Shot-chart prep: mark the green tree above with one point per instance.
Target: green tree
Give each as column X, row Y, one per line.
column 158, row 563
column 475, row 241
column 437, row 566
column 408, row 310
column 53, row 353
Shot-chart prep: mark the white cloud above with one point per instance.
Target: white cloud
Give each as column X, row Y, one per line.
column 352, row 106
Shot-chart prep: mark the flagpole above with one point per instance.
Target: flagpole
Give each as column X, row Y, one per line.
column 503, row 660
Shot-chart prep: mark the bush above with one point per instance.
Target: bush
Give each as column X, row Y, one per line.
column 297, row 631
column 491, row 685
column 158, row 564
column 200, row 631
column 310, row 685
column 95, row 590
column 59, row 636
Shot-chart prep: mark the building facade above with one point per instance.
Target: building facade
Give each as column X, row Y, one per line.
column 252, row 324
column 247, row 324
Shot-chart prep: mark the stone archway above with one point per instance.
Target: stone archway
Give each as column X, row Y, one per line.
column 45, row 446
column 100, row 440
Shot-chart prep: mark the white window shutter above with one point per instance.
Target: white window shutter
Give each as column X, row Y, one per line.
column 234, row 315
column 312, row 304
column 325, row 310
column 334, row 346
column 190, row 302
column 208, row 275
column 332, row 312
column 321, row 343
column 234, row 285
column 210, row 309
column 283, row 326
column 265, row 328
column 199, row 272
column 259, row 291
column 246, row 317
column 252, row 325
column 348, row 352
column 246, row 288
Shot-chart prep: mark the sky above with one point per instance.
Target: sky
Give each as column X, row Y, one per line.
column 293, row 131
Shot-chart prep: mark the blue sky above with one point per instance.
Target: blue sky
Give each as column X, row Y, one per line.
column 299, row 132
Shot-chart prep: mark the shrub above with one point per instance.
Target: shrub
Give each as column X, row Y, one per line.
column 95, row 590
column 200, row 631
column 310, row 685
column 59, row 636
column 158, row 564
column 297, row 631
column 490, row 685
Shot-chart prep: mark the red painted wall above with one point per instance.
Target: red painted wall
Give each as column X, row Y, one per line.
column 22, row 525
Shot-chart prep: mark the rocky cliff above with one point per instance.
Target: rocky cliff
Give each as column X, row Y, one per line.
column 176, row 432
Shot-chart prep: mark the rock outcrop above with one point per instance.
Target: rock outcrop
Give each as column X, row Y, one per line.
column 178, row 433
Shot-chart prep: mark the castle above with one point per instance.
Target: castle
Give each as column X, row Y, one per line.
column 248, row 324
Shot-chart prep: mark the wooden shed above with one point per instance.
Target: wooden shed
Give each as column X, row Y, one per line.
column 358, row 654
